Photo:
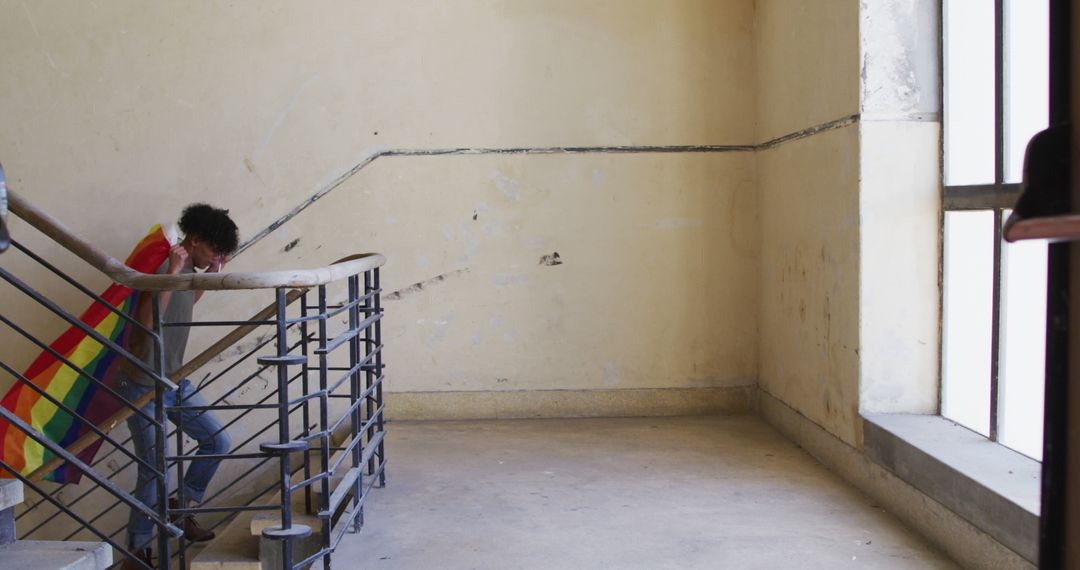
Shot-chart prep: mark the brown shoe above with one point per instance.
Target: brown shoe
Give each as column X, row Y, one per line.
column 143, row 556
column 192, row 531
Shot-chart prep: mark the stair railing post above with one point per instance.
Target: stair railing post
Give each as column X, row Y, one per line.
column 377, row 303
column 324, row 424
column 354, row 394
column 369, row 370
column 160, row 441
column 283, row 430
column 305, row 387
column 181, row 496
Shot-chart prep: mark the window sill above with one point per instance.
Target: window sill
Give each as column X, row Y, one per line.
column 991, row 486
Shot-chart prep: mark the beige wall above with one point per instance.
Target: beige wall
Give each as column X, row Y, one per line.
column 116, row 114
column 849, row 230
column 113, row 115
column 686, row 272
column 807, row 57
column 807, row 75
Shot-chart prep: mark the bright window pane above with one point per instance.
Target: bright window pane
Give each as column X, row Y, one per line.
column 969, row 91
column 1027, row 72
column 1023, row 341
column 969, row 273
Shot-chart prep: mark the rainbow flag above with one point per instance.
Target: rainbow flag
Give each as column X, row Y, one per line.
column 68, row 386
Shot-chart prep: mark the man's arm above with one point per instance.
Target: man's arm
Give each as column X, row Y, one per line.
column 144, row 310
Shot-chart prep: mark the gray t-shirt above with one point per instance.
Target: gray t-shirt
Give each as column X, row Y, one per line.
column 174, row 339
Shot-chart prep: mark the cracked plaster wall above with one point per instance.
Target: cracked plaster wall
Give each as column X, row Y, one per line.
column 113, row 115
column 808, row 65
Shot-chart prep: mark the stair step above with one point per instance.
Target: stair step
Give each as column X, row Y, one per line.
column 341, row 492
column 56, row 555
column 11, row 493
column 233, row 549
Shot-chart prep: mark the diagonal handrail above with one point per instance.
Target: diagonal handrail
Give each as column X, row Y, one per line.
column 120, row 273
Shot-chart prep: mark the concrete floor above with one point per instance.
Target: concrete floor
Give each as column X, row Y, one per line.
column 693, row 492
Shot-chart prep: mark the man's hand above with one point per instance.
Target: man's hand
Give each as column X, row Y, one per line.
column 217, row 264
column 178, row 257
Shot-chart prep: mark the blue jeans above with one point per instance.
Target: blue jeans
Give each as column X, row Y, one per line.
column 202, row 426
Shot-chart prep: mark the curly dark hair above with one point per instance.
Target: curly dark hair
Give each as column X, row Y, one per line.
column 212, row 225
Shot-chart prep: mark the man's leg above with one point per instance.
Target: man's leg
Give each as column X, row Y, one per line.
column 212, row 439
column 140, row 528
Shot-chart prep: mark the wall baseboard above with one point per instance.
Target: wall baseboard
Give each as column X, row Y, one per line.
column 568, row 403
column 963, row 542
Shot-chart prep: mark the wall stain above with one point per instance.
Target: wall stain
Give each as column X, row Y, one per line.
column 551, row 260
column 419, row 286
column 291, row 244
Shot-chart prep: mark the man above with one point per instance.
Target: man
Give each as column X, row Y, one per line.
column 210, row 236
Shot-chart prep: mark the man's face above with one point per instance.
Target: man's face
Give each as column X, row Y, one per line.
column 202, row 255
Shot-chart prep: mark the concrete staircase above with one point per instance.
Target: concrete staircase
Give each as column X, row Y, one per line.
column 43, row 554
column 242, row 546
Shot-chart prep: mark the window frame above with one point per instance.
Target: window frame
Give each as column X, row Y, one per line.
column 997, row 196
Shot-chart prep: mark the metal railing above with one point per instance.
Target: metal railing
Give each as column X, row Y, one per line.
column 329, row 413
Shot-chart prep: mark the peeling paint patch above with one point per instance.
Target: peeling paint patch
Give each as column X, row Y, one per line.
column 289, row 246
column 493, row 229
column 508, row 280
column 442, row 326
column 551, row 260
column 284, row 113
column 471, row 242
column 418, row 287
column 677, row 223
column 507, row 186
column 611, row 373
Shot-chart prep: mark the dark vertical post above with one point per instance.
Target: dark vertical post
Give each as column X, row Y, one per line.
column 369, row 371
column 379, row 374
column 181, row 498
column 995, row 326
column 306, row 390
column 1052, row 539
column 160, row 441
column 354, row 393
column 283, row 429
column 324, row 425
column 999, row 179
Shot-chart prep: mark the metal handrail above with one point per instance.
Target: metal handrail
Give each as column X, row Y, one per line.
column 362, row 447
column 120, row 273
